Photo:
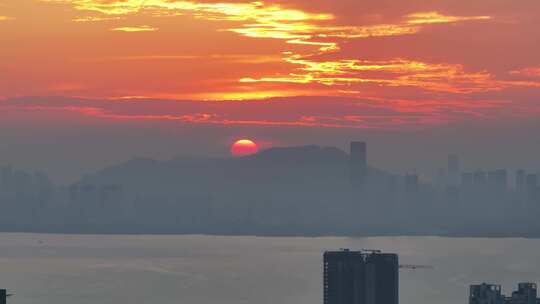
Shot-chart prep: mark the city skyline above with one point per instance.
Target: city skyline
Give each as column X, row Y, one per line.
column 299, row 191
column 453, row 173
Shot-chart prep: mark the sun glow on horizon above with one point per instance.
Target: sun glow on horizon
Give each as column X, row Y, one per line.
column 244, row 147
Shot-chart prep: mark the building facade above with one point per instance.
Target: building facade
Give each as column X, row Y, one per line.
column 3, row 296
column 492, row 294
column 360, row 277
column 486, row 294
column 525, row 294
column 453, row 170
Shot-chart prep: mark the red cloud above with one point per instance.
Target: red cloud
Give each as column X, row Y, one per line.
column 323, row 112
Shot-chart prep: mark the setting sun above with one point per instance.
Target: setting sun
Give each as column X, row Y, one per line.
column 244, row 147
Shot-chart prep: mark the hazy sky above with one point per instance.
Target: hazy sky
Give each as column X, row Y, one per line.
column 86, row 83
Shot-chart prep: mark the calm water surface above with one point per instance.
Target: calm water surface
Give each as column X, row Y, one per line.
column 67, row 269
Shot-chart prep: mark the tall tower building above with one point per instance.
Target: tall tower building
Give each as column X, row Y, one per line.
column 358, row 162
column 3, row 296
column 412, row 183
column 480, row 179
column 498, row 180
column 467, row 180
column 526, row 294
column 453, row 170
column 358, row 277
column 486, row 294
column 531, row 182
column 382, row 276
column 520, row 181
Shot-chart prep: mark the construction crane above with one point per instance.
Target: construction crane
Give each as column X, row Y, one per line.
column 401, row 266
column 415, row 267
column 372, row 251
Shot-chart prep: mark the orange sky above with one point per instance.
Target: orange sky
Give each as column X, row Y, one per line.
column 392, row 63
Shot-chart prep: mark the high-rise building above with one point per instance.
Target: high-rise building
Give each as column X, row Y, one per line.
column 498, row 180
column 520, row 181
column 393, row 188
column 3, row 296
column 526, row 294
column 467, row 180
column 382, row 278
column 358, row 162
column 453, row 170
column 74, row 193
column 412, row 183
column 360, row 277
column 486, row 294
column 441, row 178
column 480, row 179
column 6, row 177
column 531, row 185
column 501, row 179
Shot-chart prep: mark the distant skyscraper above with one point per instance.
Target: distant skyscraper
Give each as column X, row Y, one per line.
column 486, row 294
column 357, row 277
column 532, row 180
column 453, row 170
column 501, row 179
column 498, row 180
column 491, row 294
column 74, row 193
column 393, row 188
column 467, row 180
column 6, row 177
column 520, row 181
column 358, row 163
column 480, row 179
column 526, row 294
column 531, row 185
column 441, row 178
column 412, row 183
